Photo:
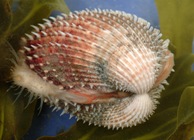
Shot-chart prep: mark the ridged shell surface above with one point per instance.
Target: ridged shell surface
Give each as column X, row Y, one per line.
column 105, row 67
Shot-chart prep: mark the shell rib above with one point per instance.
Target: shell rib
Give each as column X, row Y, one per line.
column 105, row 67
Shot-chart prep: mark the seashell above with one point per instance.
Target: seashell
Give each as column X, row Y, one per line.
column 105, row 67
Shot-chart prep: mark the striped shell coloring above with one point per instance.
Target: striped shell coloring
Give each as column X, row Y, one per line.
column 105, row 67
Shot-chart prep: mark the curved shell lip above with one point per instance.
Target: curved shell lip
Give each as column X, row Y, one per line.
column 166, row 70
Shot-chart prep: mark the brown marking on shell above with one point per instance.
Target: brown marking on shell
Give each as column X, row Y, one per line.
column 105, row 67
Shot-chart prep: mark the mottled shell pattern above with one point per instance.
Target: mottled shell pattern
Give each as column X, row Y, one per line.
column 105, row 67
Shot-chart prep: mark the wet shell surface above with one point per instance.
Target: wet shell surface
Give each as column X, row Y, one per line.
column 105, row 67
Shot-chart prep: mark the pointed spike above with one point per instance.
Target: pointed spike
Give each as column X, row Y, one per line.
column 41, row 105
column 70, row 35
column 27, row 49
column 78, row 107
column 19, row 94
column 70, row 116
column 71, row 15
column 66, row 103
column 61, row 33
column 58, row 108
column 39, row 45
column 52, row 18
column 42, row 26
column 30, row 37
column 36, row 34
column 87, row 108
column 44, row 33
column 46, row 20
column 66, row 108
column 36, row 28
column 51, row 105
column 113, row 127
column 123, row 126
column 109, row 126
column 162, row 87
column 29, row 57
column 66, row 23
column 60, row 23
column 64, row 15
column 59, row 18
column 54, row 108
column 52, row 44
column 165, row 82
column 77, row 12
column 45, row 100
column 63, row 112
column 56, row 100
column 34, row 47
column 35, row 56
column 29, row 100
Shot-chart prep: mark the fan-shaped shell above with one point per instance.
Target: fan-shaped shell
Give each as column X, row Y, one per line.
column 105, row 67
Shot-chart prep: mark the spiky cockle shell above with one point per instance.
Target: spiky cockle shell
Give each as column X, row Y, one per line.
column 105, row 67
